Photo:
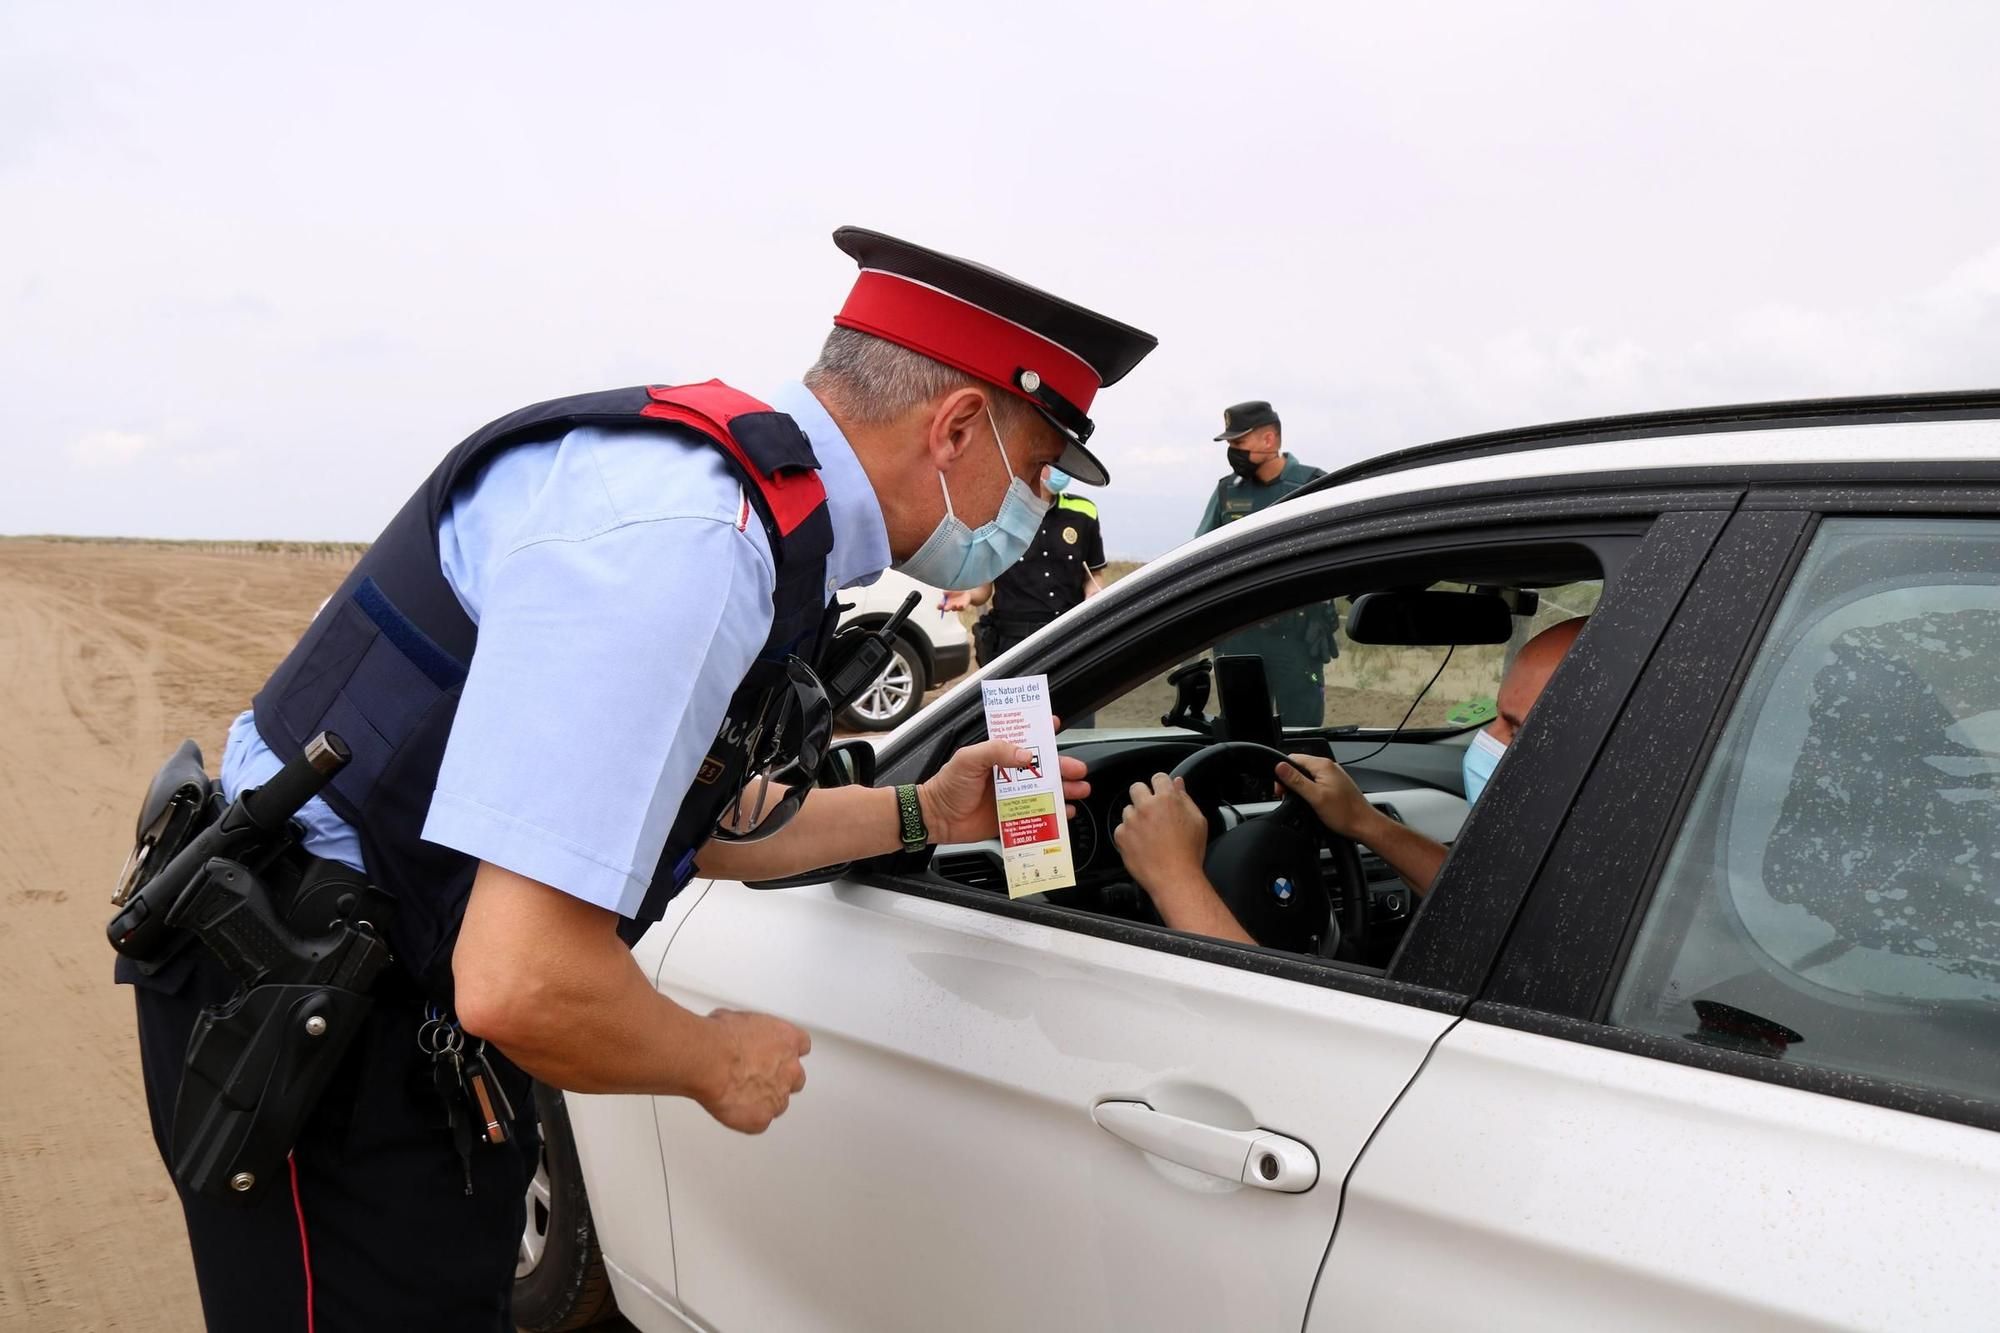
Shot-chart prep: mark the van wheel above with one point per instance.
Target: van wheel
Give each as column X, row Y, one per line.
column 896, row 694
column 559, row 1279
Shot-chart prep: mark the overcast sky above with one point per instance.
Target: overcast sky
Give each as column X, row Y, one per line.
column 261, row 265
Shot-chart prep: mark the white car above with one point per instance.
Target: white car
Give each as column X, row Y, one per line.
column 932, row 647
column 1699, row 1026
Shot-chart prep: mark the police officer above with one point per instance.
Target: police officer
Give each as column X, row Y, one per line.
column 1295, row 646
column 1059, row 572
column 548, row 669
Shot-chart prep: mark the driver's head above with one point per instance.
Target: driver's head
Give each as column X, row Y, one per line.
column 1529, row 676
column 1523, row 684
column 954, row 382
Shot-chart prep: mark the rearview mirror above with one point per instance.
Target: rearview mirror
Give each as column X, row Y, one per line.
column 1430, row 619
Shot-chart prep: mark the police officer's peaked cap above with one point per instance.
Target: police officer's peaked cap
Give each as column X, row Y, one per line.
column 1053, row 353
column 1239, row 419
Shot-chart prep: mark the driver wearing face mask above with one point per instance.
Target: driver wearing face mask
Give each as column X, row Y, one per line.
column 1164, row 837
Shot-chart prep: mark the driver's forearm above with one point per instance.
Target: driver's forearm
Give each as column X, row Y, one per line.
column 1409, row 853
column 1192, row 905
column 835, row 825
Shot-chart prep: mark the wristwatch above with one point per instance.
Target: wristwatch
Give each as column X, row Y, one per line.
column 915, row 836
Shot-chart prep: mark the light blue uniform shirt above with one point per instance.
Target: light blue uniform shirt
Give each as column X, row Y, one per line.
column 622, row 589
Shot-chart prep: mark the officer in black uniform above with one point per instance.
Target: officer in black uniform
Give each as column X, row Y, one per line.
column 1297, row 645
column 1059, row 573
column 626, row 582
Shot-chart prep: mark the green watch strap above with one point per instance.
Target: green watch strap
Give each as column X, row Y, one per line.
column 915, row 835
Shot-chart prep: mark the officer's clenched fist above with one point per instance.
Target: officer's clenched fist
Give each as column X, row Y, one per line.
column 759, row 1070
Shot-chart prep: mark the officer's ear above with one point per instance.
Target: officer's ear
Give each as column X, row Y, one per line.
column 956, row 425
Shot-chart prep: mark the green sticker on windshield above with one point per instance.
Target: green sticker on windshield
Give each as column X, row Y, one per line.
column 1474, row 712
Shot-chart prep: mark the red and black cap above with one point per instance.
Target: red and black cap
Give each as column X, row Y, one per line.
column 1051, row 352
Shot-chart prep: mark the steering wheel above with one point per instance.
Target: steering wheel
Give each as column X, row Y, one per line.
column 1253, row 864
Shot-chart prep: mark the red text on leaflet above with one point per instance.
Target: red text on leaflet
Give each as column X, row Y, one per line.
column 1038, row 828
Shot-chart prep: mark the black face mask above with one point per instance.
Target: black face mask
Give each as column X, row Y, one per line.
column 1243, row 465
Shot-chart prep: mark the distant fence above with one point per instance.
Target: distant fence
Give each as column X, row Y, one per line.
column 344, row 553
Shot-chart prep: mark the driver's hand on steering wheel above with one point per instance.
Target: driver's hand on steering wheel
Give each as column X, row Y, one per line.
column 1163, row 838
column 957, row 800
column 1325, row 786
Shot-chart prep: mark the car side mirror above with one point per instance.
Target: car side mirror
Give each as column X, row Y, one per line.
column 848, row 764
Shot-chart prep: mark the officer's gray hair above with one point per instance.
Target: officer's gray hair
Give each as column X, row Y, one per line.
column 872, row 380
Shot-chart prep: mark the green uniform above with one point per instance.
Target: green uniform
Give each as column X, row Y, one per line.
column 1297, row 645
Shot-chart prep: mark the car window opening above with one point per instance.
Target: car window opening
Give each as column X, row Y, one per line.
column 1408, row 676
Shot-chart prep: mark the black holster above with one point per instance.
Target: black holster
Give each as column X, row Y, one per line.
column 307, row 949
column 257, row 1064
column 256, row 1067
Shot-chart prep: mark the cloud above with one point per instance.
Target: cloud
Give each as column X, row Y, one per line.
column 1942, row 336
column 1941, row 333
column 206, row 462
column 108, row 448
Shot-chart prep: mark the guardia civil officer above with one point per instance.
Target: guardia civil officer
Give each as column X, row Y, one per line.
column 1295, row 646
column 551, row 670
column 1058, row 573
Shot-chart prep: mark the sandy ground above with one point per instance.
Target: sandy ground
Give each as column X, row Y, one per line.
column 109, row 655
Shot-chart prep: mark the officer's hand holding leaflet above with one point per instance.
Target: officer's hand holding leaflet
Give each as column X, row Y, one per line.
column 841, row 824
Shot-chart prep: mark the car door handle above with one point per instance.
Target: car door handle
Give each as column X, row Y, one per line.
column 1250, row 1156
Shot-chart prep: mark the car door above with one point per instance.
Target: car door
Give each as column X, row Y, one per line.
column 944, row 1168
column 1736, row 1067
column 1024, row 1116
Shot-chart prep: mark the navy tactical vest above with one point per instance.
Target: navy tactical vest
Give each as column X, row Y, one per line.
column 383, row 662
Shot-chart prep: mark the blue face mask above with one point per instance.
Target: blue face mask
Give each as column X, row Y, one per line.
column 1481, row 758
column 1057, row 480
column 955, row 556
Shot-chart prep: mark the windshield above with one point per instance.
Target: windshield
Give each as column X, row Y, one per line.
column 1320, row 680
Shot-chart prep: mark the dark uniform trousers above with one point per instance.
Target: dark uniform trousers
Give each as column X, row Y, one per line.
column 1296, row 680
column 379, row 1222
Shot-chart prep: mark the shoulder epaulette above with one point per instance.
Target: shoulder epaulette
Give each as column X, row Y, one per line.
column 1088, row 508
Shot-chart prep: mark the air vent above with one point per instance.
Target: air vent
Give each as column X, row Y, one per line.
column 975, row 870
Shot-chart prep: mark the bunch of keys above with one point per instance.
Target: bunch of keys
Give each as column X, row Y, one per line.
column 474, row 1100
